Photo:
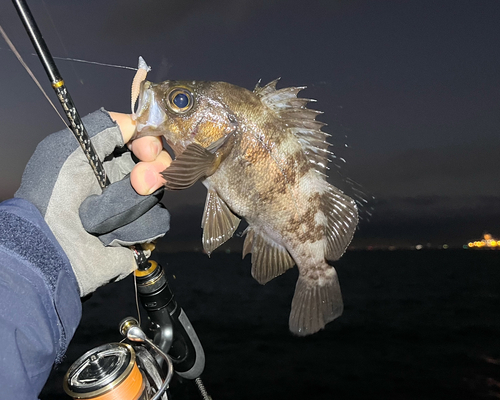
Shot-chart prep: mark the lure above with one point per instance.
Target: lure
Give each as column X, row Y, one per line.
column 140, row 76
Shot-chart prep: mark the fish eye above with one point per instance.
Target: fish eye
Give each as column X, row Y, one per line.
column 180, row 100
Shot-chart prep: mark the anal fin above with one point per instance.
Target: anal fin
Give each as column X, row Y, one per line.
column 219, row 223
column 269, row 259
column 193, row 164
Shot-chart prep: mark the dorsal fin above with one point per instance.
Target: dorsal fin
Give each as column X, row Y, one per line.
column 269, row 88
column 300, row 120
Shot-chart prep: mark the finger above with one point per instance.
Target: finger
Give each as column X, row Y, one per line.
column 146, row 177
column 146, row 148
column 125, row 123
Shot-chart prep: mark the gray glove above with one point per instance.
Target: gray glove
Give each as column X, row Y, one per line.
column 58, row 179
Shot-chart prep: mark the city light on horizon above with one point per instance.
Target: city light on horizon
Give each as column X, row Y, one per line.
column 487, row 242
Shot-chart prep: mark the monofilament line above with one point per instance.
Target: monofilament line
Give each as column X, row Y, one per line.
column 14, row 50
column 137, row 301
column 93, row 62
column 86, row 61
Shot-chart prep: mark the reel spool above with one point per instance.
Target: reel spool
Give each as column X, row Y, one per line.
column 120, row 371
column 107, row 372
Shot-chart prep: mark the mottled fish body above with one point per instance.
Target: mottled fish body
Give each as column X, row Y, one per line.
column 262, row 156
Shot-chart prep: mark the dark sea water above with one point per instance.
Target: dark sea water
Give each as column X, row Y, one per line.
column 416, row 325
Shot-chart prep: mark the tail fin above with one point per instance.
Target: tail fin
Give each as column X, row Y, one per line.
column 315, row 304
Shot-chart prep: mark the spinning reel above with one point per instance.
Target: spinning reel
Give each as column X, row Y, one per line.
column 141, row 368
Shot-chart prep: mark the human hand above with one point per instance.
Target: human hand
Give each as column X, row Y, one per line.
column 145, row 176
column 58, row 179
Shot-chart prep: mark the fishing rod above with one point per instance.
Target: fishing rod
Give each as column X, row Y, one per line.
column 62, row 93
column 175, row 342
column 75, row 122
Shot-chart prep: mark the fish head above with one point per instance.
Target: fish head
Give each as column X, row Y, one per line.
column 184, row 112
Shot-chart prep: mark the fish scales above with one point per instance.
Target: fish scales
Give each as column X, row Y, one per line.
column 262, row 156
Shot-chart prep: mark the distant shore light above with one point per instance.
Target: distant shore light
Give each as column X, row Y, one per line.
column 487, row 242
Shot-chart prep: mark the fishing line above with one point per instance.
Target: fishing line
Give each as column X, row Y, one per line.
column 94, row 62
column 33, row 77
column 85, row 61
column 76, row 59
column 137, row 301
column 60, row 40
column 14, row 50
column 136, row 305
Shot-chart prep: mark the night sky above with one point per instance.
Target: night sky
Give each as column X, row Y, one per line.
column 410, row 91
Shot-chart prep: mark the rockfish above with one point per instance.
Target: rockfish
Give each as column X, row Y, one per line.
column 262, row 156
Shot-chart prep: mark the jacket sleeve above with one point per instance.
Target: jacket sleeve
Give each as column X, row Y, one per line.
column 40, row 304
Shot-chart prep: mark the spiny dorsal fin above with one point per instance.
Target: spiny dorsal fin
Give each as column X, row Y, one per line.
column 269, row 259
column 269, row 88
column 219, row 223
column 301, row 121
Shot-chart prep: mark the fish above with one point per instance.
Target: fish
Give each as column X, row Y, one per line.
column 262, row 156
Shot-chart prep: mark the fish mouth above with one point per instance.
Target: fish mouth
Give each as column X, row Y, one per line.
column 149, row 114
column 140, row 103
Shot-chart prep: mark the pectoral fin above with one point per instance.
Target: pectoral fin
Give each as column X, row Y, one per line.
column 219, row 223
column 342, row 218
column 194, row 163
column 269, row 259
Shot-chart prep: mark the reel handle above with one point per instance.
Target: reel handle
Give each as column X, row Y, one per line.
column 130, row 329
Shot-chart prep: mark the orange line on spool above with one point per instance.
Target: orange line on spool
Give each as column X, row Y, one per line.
column 129, row 389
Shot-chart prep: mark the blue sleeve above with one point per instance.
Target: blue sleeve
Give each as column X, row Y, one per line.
column 40, row 304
